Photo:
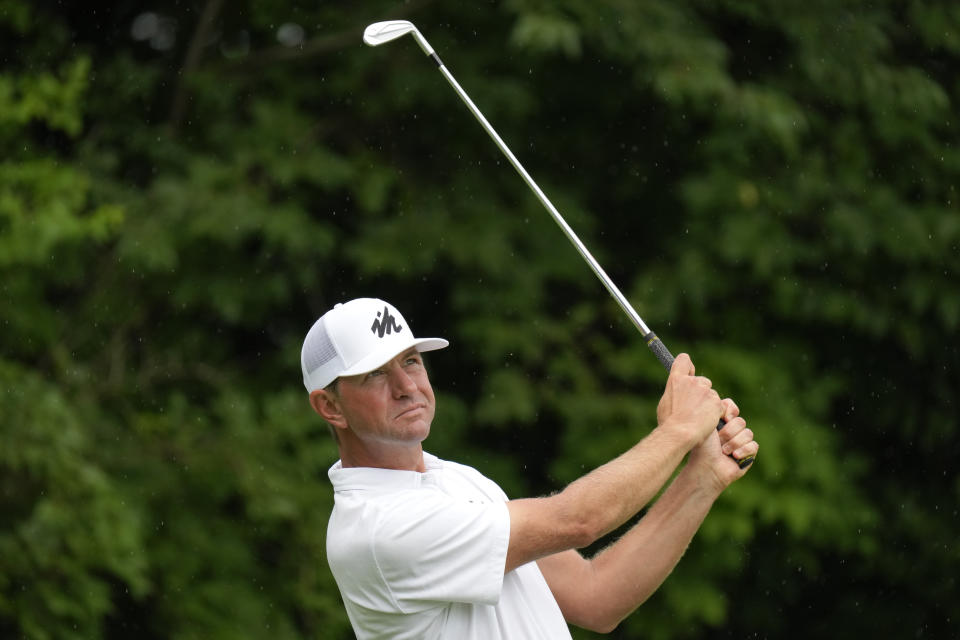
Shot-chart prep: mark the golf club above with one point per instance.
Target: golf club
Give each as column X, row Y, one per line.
column 382, row 32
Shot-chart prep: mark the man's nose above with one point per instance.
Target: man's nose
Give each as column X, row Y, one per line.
column 401, row 382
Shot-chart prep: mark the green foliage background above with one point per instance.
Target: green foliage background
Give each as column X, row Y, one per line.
column 773, row 184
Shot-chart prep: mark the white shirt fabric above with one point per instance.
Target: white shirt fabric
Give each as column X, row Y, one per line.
column 421, row 555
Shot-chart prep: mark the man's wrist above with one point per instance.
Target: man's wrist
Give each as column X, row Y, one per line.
column 688, row 435
column 700, row 481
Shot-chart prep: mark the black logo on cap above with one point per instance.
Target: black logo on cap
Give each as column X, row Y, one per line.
column 385, row 325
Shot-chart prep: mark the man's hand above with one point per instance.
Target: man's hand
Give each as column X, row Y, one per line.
column 711, row 458
column 689, row 402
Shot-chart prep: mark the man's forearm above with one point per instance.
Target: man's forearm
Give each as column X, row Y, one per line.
column 613, row 493
column 597, row 503
column 630, row 570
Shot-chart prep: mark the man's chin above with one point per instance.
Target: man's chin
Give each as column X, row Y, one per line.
column 414, row 429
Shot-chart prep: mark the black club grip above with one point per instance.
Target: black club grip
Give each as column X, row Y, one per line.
column 666, row 359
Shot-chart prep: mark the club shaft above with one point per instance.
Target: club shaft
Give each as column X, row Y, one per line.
column 552, row 210
column 653, row 342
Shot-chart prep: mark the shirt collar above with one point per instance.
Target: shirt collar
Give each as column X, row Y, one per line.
column 353, row 478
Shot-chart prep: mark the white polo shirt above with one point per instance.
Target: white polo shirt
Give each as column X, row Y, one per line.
column 421, row 555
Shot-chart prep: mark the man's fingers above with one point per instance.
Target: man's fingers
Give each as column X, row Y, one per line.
column 730, row 409
column 738, row 441
column 748, row 450
column 732, row 428
column 682, row 366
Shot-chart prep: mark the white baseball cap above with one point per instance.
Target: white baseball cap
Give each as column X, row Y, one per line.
column 356, row 337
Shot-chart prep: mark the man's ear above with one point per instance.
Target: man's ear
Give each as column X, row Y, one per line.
column 327, row 404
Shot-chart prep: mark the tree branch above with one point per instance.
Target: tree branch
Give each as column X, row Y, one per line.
column 178, row 105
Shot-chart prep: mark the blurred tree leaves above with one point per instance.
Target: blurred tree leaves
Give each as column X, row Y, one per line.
column 773, row 184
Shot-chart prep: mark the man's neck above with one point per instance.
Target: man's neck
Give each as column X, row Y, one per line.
column 382, row 456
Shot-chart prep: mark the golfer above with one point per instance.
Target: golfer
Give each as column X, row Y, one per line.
column 427, row 548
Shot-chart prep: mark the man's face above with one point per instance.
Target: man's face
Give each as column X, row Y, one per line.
column 391, row 404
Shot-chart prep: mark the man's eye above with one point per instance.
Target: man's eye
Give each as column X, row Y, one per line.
column 375, row 373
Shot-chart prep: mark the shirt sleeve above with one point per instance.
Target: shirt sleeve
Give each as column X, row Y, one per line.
column 434, row 548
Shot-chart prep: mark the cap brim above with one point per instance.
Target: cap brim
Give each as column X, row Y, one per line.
column 380, row 357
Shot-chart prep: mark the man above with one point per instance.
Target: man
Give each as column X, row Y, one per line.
column 425, row 548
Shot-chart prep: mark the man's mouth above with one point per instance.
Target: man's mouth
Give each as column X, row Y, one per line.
column 417, row 407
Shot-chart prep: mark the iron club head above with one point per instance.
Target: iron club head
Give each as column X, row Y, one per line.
column 380, row 32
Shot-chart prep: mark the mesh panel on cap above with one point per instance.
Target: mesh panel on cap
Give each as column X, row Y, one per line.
column 319, row 350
